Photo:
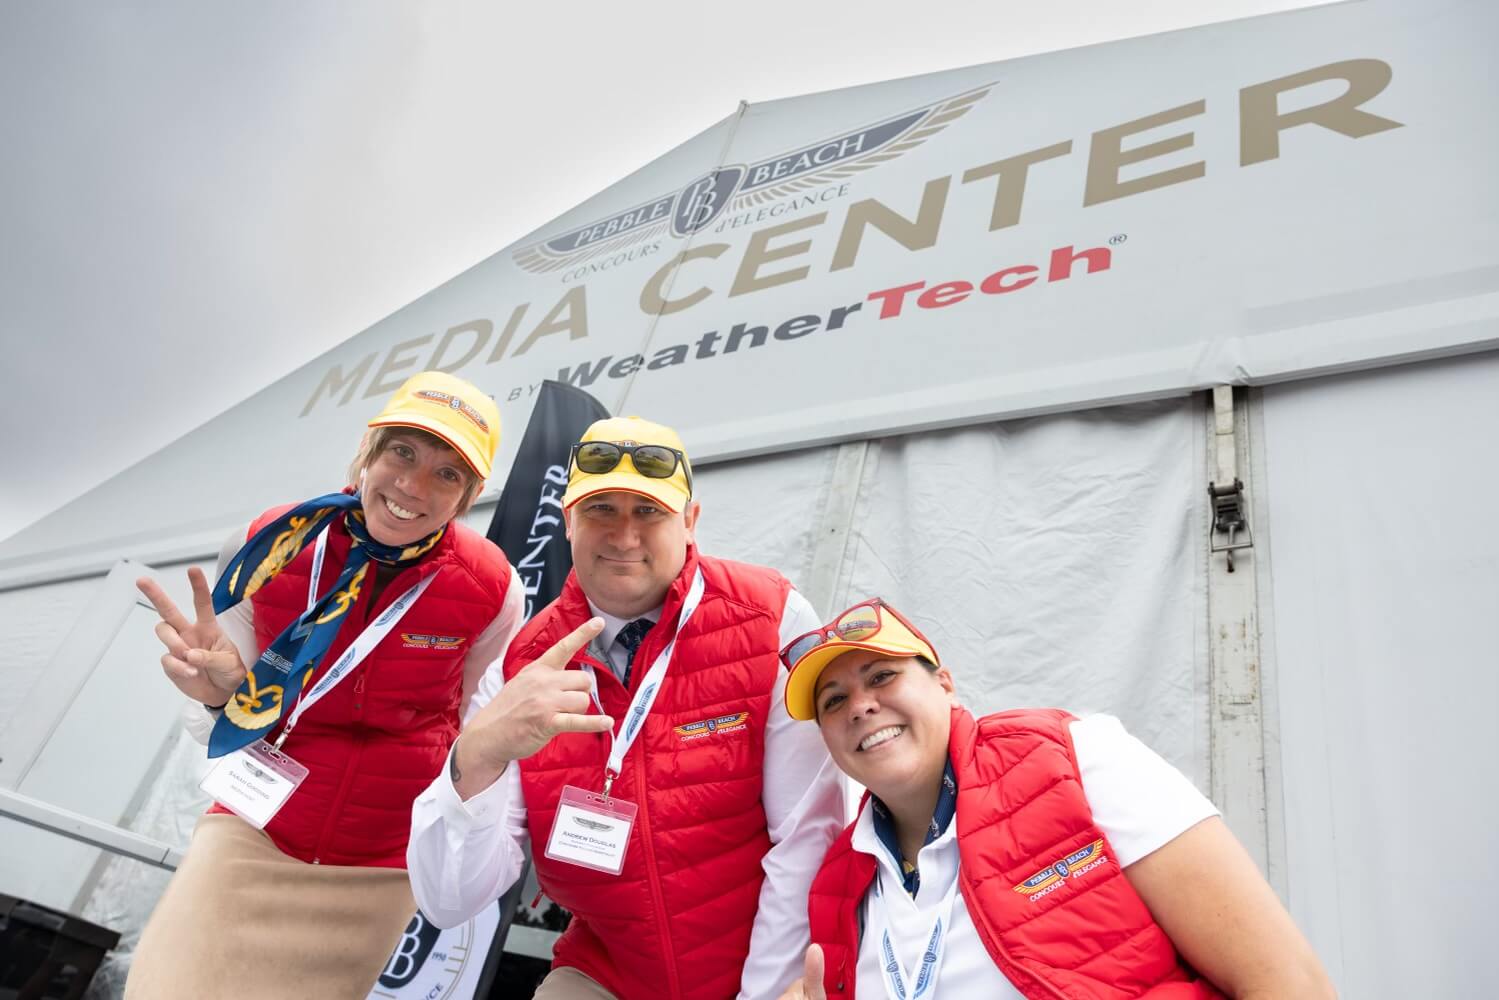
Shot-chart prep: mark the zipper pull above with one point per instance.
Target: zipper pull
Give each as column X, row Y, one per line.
column 537, row 901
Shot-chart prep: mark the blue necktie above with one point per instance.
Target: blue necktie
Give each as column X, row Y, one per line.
column 630, row 637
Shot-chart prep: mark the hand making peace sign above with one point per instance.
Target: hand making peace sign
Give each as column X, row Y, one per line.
column 200, row 659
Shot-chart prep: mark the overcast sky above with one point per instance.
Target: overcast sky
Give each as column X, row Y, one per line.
column 198, row 198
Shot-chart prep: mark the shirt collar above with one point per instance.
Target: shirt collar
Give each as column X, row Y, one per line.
column 874, row 832
column 612, row 625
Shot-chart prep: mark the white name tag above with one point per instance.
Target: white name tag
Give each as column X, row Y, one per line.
column 254, row 782
column 591, row 831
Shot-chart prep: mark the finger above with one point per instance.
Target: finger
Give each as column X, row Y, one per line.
column 170, row 639
column 573, row 702
column 175, row 669
column 812, row 968
column 570, row 680
column 202, row 595
column 220, row 662
column 570, row 722
column 560, row 655
column 162, row 603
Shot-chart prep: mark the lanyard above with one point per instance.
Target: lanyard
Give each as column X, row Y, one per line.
column 359, row 648
column 896, row 976
column 645, row 696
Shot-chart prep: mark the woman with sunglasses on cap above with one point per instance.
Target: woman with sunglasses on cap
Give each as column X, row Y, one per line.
column 1024, row 854
column 367, row 620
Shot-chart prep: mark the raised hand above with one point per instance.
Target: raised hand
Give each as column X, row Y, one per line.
column 200, row 659
column 809, row 987
column 543, row 699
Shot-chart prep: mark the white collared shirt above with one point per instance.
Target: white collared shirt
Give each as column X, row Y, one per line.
column 606, row 650
column 462, row 855
column 1138, row 800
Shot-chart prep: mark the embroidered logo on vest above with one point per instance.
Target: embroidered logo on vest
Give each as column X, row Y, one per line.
column 420, row 640
column 1055, row 875
column 707, row 727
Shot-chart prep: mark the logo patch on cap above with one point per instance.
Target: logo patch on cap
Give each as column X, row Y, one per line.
column 454, row 403
column 1057, row 874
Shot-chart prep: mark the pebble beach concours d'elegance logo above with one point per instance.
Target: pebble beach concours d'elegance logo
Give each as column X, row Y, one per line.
column 740, row 186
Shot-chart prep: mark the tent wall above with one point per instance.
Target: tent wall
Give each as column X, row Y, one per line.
column 34, row 620
column 1381, row 490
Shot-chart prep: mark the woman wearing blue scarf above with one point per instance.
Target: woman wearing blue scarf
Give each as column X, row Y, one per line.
column 328, row 671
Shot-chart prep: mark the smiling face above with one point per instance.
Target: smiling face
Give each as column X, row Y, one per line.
column 627, row 549
column 885, row 721
column 412, row 487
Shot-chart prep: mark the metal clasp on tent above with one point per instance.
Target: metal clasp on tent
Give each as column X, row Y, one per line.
column 1230, row 506
column 1228, row 518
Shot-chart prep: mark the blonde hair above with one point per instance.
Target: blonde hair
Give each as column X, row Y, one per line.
column 377, row 439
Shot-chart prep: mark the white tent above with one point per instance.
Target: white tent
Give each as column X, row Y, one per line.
column 951, row 339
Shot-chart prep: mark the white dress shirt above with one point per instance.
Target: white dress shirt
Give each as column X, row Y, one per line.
column 463, row 855
column 1139, row 801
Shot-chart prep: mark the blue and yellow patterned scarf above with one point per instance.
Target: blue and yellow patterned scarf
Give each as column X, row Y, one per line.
column 275, row 680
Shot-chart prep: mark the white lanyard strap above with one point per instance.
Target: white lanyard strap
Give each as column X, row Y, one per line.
column 354, row 655
column 318, row 551
column 896, row 976
column 645, row 695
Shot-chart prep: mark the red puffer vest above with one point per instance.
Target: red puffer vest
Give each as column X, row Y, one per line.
column 675, row 923
column 375, row 741
column 1021, row 809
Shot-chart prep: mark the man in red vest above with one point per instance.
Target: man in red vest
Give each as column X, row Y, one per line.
column 640, row 744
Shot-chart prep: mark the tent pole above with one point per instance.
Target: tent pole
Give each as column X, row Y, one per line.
column 835, row 525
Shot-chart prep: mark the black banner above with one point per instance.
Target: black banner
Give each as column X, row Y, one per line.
column 527, row 522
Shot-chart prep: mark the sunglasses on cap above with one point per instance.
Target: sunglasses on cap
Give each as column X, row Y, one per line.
column 654, row 461
column 861, row 623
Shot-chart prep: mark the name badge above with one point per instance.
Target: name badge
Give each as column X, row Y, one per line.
column 254, row 782
column 591, row 831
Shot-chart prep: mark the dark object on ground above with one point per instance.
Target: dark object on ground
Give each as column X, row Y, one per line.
column 46, row 954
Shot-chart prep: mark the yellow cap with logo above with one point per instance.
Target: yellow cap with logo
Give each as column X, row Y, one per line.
column 630, row 454
column 450, row 408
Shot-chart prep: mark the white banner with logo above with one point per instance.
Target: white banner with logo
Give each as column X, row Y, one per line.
column 430, row 963
column 1245, row 202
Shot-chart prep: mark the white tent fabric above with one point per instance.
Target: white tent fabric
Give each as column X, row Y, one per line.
column 1381, row 489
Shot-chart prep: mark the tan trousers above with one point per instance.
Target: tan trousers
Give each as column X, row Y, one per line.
column 570, row 984
column 242, row 921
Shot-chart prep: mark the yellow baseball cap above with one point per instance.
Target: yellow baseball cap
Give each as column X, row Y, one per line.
column 633, row 455
column 451, row 408
column 870, row 625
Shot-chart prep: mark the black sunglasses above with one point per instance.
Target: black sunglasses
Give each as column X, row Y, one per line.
column 654, row 461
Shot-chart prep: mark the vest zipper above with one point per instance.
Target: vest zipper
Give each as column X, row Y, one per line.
column 674, row 983
column 991, row 939
column 335, row 807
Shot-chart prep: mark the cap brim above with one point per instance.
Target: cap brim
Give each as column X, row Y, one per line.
column 801, row 681
column 665, row 492
column 480, row 464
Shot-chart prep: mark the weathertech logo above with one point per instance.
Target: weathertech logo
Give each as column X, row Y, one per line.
column 739, row 186
column 707, row 727
column 1054, row 876
column 420, row 640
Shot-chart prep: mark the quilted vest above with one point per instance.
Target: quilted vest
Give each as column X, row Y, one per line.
column 675, row 923
column 1086, row 936
column 375, row 741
